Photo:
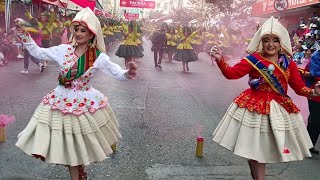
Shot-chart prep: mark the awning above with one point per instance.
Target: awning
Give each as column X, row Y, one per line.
column 73, row 6
column 264, row 8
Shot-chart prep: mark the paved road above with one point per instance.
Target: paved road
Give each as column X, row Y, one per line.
column 161, row 113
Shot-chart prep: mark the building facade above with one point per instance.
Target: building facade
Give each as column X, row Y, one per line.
column 164, row 6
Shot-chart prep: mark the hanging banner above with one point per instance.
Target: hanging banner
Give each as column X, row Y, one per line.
column 130, row 16
column 265, row 7
column 98, row 12
column 138, row 4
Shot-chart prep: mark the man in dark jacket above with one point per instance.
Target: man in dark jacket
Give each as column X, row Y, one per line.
column 158, row 39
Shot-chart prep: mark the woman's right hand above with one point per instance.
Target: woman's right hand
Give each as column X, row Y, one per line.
column 317, row 88
column 19, row 26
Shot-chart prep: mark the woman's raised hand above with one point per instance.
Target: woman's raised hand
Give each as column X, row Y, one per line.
column 317, row 88
column 216, row 53
column 19, row 24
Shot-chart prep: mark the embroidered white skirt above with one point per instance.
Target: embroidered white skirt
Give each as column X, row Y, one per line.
column 277, row 137
column 68, row 139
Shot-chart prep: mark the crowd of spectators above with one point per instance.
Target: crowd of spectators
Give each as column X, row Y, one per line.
column 10, row 47
column 305, row 39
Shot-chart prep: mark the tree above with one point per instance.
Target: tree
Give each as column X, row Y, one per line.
column 223, row 7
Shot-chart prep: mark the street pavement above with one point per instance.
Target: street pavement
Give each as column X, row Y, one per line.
column 161, row 114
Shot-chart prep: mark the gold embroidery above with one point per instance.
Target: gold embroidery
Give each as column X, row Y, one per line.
column 305, row 91
column 223, row 65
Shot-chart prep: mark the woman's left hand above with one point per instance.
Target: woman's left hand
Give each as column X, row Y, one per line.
column 132, row 72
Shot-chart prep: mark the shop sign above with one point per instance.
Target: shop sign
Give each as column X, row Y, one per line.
column 264, row 7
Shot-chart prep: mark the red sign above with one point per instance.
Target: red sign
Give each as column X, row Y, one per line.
column 280, row 5
column 265, row 7
column 130, row 16
column 138, row 4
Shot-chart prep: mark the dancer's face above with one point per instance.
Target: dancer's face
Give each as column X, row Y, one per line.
column 271, row 45
column 82, row 34
column 43, row 19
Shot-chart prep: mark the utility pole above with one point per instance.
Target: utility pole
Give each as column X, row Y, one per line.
column 180, row 4
column 202, row 5
column 202, row 8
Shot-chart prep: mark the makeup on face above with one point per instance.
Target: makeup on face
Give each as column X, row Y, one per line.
column 82, row 34
column 271, row 44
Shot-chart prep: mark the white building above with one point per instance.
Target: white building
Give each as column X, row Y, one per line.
column 111, row 6
column 166, row 6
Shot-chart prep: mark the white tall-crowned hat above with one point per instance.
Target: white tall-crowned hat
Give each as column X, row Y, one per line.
column 89, row 19
column 271, row 26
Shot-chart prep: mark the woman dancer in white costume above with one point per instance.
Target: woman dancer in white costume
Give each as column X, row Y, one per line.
column 74, row 124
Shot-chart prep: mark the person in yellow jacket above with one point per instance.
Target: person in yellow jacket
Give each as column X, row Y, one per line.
column 198, row 42
column 57, row 32
column 117, row 31
column 110, row 33
column 226, row 41
column 172, row 41
column 212, row 37
column 139, row 41
column 46, row 26
column 128, row 48
column 36, row 35
column 105, row 35
column 185, row 52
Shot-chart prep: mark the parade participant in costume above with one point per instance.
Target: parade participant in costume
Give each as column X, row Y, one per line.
column 57, row 32
column 172, row 40
column 65, row 28
column 74, row 124
column 226, row 41
column 105, row 35
column 117, row 31
column 46, row 26
column 185, row 52
column 197, row 43
column 139, row 40
column 109, row 33
column 311, row 74
column 212, row 39
column 67, row 24
column 129, row 49
column 36, row 35
column 263, row 124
